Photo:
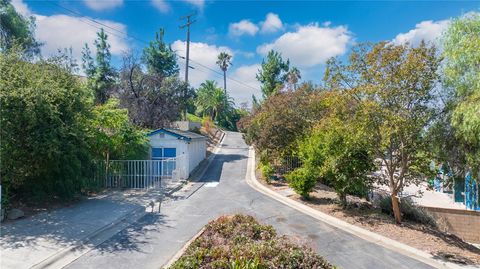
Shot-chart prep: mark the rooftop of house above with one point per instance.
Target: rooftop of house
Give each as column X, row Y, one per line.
column 184, row 135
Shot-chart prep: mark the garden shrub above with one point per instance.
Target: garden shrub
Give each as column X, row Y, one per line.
column 267, row 171
column 302, row 180
column 239, row 241
column 409, row 211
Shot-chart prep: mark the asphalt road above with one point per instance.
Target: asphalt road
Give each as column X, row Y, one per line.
column 155, row 238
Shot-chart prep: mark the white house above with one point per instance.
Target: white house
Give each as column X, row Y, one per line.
column 188, row 149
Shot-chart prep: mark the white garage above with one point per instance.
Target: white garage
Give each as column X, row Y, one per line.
column 187, row 148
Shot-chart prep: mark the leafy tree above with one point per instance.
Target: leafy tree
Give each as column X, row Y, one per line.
column 281, row 120
column 159, row 57
column 101, row 75
column 273, row 73
column 398, row 83
column 339, row 150
column 153, row 101
column 17, row 29
column 460, row 72
column 43, row 119
column 211, row 100
column 114, row 136
column 224, row 61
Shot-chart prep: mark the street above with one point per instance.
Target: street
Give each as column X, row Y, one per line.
column 155, row 238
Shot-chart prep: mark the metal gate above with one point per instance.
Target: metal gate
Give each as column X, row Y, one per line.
column 140, row 174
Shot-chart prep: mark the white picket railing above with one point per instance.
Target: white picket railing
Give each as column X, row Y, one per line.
column 143, row 174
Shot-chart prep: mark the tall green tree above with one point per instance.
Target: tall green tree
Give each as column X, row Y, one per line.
column 398, row 83
column 461, row 80
column 211, row 100
column 159, row 57
column 273, row 73
column 101, row 74
column 224, row 61
column 17, row 29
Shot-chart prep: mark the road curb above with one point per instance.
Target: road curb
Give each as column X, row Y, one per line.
column 183, row 249
column 337, row 223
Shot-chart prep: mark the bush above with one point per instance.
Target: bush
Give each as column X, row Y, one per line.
column 302, row 180
column 44, row 111
column 409, row 211
column 239, row 241
column 267, row 171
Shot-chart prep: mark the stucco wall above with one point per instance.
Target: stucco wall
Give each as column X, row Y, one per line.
column 462, row 223
column 189, row 154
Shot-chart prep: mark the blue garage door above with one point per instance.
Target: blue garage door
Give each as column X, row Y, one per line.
column 166, row 155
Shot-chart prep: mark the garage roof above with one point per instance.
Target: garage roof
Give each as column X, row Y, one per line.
column 184, row 135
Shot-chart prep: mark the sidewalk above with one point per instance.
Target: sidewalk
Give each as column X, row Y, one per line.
column 51, row 239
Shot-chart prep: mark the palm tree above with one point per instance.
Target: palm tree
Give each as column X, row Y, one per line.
column 224, row 61
column 293, row 76
column 211, row 100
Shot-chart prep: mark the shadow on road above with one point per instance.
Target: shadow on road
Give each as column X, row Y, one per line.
column 215, row 169
column 132, row 238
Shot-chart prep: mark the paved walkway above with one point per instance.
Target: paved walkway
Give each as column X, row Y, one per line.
column 155, row 238
column 32, row 241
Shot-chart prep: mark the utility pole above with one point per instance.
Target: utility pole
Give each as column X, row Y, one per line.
column 187, row 58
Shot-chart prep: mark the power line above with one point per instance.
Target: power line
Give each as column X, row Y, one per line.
column 126, row 35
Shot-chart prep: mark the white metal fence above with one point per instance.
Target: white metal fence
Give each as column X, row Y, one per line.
column 143, row 174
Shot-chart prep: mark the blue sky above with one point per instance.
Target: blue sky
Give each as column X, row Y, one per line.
column 307, row 32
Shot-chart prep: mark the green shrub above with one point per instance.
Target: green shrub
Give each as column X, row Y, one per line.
column 409, row 211
column 240, row 242
column 267, row 171
column 302, row 180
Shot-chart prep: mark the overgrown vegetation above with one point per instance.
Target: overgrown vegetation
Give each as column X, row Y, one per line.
column 58, row 129
column 239, row 241
column 380, row 117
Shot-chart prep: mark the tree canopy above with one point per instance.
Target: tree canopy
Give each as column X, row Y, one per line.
column 16, row 29
column 159, row 57
column 100, row 73
column 273, row 73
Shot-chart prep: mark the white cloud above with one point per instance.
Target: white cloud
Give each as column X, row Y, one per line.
column 243, row 27
column 62, row 31
column 204, row 54
column 164, row 7
column 198, row 3
column 240, row 92
column 425, row 30
column 271, row 24
column 311, row 44
column 99, row 5
column 161, row 5
column 21, row 7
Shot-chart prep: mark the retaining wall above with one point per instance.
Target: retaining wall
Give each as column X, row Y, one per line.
column 462, row 223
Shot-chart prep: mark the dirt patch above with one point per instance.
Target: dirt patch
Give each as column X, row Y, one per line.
column 361, row 213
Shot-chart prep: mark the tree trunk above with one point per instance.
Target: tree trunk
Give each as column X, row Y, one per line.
column 396, row 208
column 225, row 81
column 343, row 199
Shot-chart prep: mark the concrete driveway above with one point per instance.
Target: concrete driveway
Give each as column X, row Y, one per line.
column 155, row 238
